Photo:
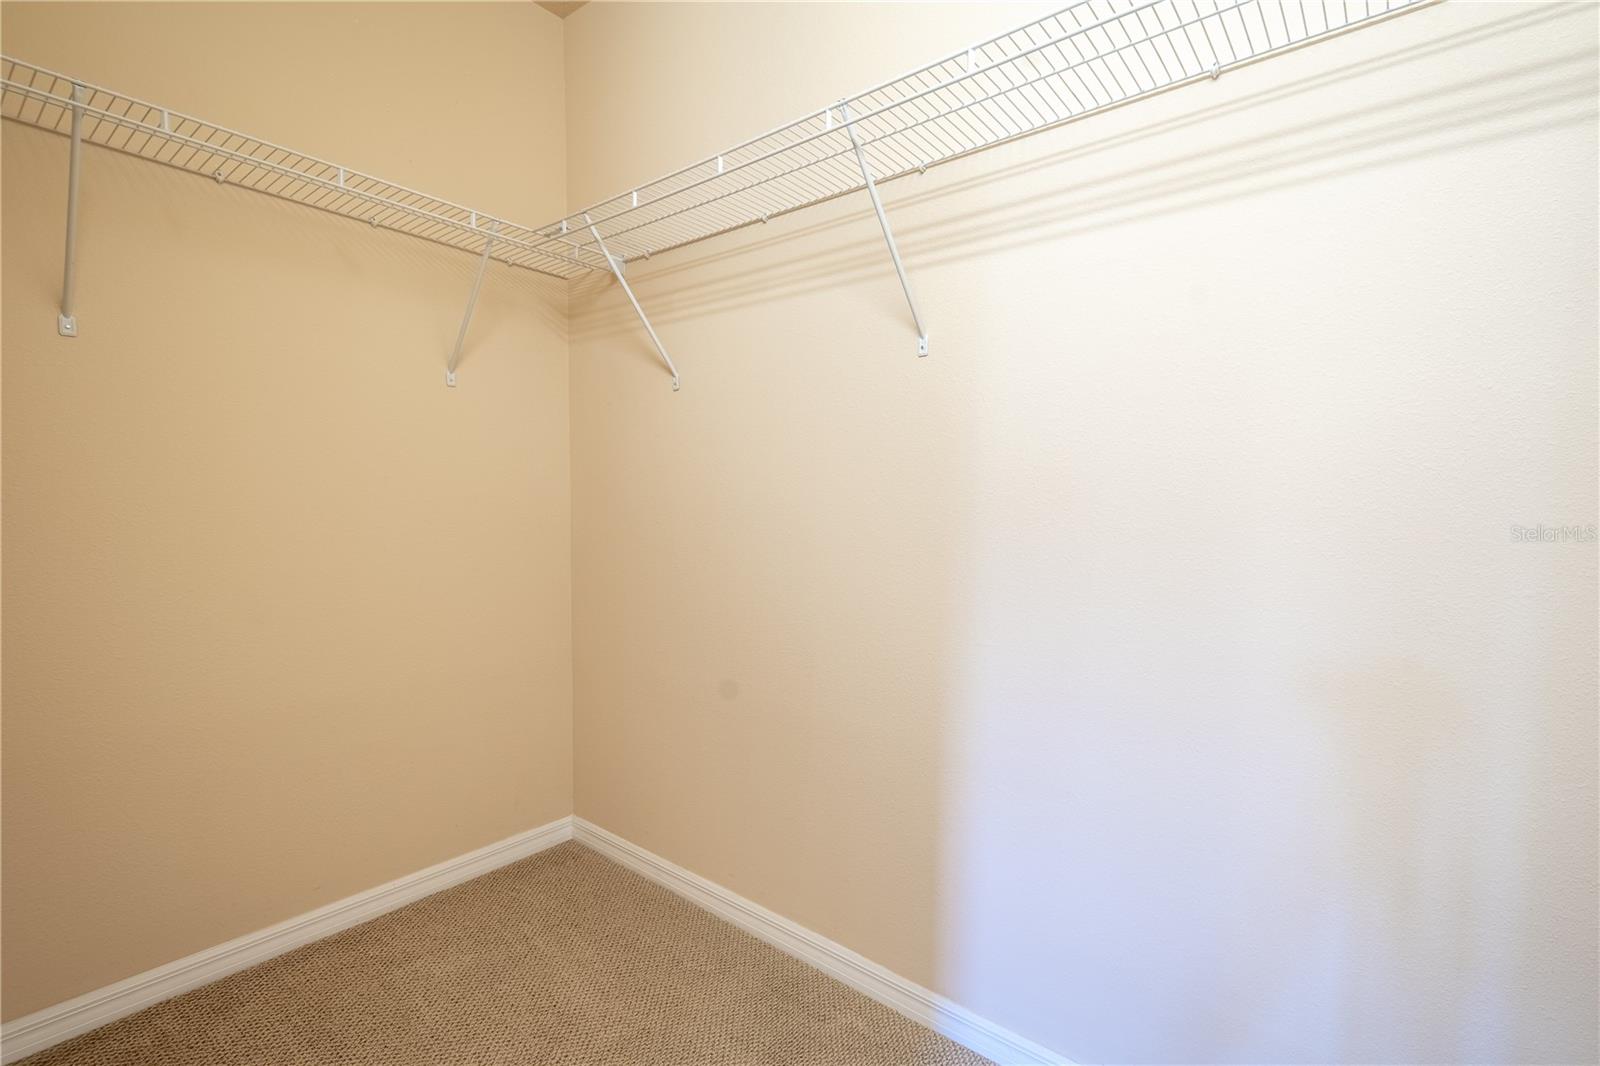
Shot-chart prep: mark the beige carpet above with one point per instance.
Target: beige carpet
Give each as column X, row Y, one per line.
column 562, row 958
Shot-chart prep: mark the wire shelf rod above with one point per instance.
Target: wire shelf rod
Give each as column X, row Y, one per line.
column 1091, row 56
column 40, row 97
column 1004, row 134
column 721, row 172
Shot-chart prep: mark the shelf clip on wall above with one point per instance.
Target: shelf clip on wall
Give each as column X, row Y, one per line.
column 66, row 321
column 883, row 220
column 616, row 272
column 472, row 301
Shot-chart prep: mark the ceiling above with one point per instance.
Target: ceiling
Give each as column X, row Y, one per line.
column 560, row 10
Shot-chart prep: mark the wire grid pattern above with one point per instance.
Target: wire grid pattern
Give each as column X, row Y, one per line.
column 44, row 98
column 1090, row 56
column 1093, row 55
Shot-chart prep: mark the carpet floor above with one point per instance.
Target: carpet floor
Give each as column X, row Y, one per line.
column 562, row 959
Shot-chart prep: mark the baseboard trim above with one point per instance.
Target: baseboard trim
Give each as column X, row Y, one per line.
column 46, row 1028
column 865, row 976
column 50, row 1026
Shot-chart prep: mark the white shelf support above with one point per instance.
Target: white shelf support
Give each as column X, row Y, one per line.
column 888, row 234
column 472, row 302
column 67, row 321
column 1088, row 57
column 616, row 272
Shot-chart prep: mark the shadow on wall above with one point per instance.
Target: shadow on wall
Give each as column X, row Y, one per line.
column 1245, row 770
column 1395, row 814
column 264, row 543
column 178, row 202
column 1250, row 736
column 943, row 226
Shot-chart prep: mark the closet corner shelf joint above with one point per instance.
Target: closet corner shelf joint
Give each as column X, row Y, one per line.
column 1090, row 56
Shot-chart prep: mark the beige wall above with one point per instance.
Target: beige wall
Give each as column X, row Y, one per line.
column 285, row 618
column 1150, row 669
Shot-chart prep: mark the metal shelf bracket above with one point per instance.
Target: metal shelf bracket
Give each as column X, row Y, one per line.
column 1088, row 57
column 472, row 302
column 616, row 266
column 67, row 321
column 883, row 221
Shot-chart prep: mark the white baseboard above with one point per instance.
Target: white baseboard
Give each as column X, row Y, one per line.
column 50, row 1026
column 910, row 999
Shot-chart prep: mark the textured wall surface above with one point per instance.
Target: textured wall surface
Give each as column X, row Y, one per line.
column 1152, row 668
column 285, row 618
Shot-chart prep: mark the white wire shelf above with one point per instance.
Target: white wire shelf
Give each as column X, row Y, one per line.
column 1085, row 58
column 44, row 98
